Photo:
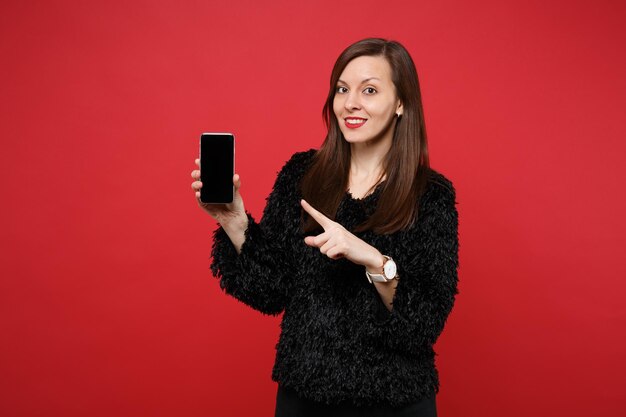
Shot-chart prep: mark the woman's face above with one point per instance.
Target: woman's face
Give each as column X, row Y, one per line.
column 365, row 101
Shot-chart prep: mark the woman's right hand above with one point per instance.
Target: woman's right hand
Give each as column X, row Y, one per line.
column 229, row 215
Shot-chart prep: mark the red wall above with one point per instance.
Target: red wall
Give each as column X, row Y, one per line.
column 107, row 304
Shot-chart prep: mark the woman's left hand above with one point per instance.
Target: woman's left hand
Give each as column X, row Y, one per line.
column 337, row 242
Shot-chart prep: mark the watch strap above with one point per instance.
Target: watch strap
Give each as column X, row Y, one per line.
column 372, row 278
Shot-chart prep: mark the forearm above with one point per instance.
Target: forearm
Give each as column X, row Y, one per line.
column 386, row 291
column 236, row 232
column 251, row 268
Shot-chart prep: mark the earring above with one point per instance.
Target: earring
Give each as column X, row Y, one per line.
column 399, row 115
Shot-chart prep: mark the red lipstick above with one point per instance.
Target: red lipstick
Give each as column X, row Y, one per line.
column 354, row 122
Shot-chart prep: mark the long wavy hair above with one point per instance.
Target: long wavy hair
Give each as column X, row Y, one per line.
column 406, row 164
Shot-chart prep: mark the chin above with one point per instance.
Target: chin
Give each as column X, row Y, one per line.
column 358, row 139
column 354, row 138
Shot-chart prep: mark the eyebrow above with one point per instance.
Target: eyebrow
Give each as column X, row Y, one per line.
column 362, row 82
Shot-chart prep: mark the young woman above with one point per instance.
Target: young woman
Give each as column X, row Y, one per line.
column 357, row 246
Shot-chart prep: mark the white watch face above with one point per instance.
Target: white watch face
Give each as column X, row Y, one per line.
column 390, row 269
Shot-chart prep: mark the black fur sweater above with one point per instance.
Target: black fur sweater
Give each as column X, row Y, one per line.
column 338, row 340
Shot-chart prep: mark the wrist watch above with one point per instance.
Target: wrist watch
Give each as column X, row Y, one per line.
column 390, row 272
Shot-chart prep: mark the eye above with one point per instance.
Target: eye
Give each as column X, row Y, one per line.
column 341, row 89
column 370, row 90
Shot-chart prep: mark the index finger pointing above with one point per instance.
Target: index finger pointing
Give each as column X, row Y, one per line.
column 318, row 216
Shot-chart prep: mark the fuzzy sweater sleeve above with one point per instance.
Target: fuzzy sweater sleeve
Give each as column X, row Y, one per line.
column 427, row 261
column 258, row 276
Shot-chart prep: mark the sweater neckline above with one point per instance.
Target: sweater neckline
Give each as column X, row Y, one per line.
column 368, row 197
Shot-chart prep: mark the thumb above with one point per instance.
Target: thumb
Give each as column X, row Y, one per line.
column 237, row 182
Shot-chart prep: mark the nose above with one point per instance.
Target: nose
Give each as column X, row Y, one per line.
column 352, row 101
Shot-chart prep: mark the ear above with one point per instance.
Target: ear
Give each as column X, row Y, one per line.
column 400, row 109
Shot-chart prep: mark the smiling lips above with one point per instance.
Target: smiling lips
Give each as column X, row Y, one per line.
column 354, row 122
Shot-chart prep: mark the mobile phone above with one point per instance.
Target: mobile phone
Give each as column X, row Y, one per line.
column 217, row 167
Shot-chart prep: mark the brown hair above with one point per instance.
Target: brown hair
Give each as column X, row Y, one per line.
column 406, row 164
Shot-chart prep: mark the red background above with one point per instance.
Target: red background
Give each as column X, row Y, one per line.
column 107, row 304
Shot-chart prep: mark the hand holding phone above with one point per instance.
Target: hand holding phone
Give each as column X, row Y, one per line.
column 216, row 186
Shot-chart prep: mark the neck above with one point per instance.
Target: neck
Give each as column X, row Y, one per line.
column 366, row 159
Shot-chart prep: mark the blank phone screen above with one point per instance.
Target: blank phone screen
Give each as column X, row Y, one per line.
column 217, row 167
